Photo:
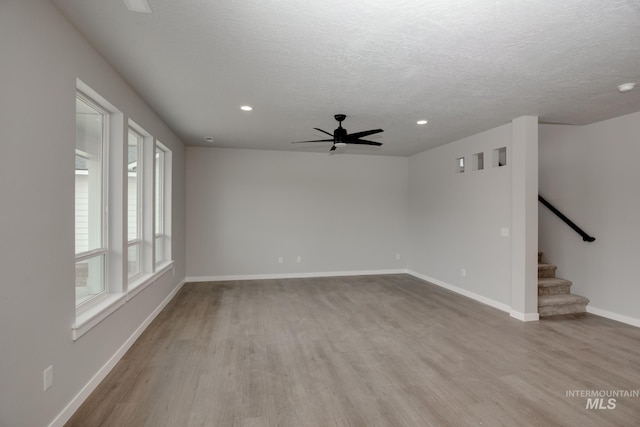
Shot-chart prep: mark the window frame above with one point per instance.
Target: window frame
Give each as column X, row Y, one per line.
column 138, row 241
column 103, row 250
column 162, row 208
column 117, row 287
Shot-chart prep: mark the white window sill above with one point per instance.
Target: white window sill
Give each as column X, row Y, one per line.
column 140, row 284
column 96, row 314
column 86, row 320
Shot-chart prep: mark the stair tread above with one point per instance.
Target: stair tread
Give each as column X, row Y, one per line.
column 562, row 299
column 547, row 282
column 542, row 265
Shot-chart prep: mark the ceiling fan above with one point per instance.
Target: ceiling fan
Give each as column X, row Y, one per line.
column 341, row 138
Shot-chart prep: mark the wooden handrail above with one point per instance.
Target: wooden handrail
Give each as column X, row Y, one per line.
column 567, row 221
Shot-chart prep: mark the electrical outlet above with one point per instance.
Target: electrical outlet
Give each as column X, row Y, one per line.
column 299, row 259
column 397, row 256
column 47, row 376
column 280, row 260
column 504, row 232
column 463, row 272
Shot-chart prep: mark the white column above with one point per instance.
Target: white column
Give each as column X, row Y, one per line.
column 524, row 218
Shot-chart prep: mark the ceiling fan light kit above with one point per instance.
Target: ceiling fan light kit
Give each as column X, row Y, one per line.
column 341, row 138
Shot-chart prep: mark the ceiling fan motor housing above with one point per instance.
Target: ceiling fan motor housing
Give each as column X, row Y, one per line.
column 340, row 133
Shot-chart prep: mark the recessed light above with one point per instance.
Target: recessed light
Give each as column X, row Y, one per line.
column 208, row 138
column 246, row 108
column 626, row 87
column 421, row 122
column 140, row 6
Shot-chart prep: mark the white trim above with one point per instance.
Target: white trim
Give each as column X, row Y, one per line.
column 524, row 317
column 137, row 128
column 95, row 96
column 134, row 242
column 96, row 314
column 291, row 275
column 107, row 305
column 614, row 316
column 138, row 286
column 83, row 256
column 464, row 292
column 79, row 398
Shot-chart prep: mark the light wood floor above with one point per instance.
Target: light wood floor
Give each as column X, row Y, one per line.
column 362, row 351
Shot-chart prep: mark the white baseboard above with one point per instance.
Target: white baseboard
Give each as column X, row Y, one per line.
column 525, row 317
column 75, row 403
column 291, row 275
column 464, row 292
column 614, row 316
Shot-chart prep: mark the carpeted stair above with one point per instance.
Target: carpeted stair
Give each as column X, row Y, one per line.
column 554, row 294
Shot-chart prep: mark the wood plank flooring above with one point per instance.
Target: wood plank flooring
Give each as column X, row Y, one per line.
column 386, row 350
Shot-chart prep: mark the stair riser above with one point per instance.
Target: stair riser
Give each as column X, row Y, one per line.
column 557, row 310
column 547, row 273
column 554, row 290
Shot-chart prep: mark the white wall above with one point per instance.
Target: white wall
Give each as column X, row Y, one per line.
column 246, row 208
column 455, row 219
column 591, row 173
column 41, row 57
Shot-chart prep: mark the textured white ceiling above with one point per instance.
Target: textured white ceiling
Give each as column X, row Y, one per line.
column 465, row 65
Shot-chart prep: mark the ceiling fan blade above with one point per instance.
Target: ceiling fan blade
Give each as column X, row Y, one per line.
column 363, row 142
column 364, row 133
column 324, row 131
column 315, row 140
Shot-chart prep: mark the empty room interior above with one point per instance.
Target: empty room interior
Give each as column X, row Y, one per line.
column 319, row 213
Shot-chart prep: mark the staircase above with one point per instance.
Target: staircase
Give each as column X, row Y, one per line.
column 554, row 294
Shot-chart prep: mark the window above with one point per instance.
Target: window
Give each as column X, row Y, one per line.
column 460, row 165
column 134, row 204
column 162, row 203
column 122, row 209
column 90, row 199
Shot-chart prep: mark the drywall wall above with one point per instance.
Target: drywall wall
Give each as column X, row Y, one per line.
column 456, row 219
column 42, row 55
column 591, row 174
column 247, row 208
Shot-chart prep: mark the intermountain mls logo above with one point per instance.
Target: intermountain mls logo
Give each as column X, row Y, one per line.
column 603, row 399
